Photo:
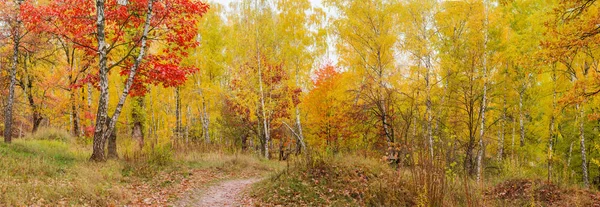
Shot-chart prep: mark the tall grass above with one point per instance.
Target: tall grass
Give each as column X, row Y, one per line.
column 51, row 134
column 428, row 179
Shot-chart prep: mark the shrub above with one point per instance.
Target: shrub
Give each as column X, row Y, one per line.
column 161, row 155
column 149, row 161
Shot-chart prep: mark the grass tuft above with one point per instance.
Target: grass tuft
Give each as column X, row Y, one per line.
column 51, row 134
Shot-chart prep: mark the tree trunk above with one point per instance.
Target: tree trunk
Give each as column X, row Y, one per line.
column 37, row 121
column 21, row 129
column 384, row 121
column 552, row 130
column 482, row 127
column 188, row 122
column 153, row 122
column 36, row 115
column 521, row 124
column 480, row 154
column 112, row 145
column 388, row 133
column 281, row 151
column 205, row 118
column 102, row 114
column 428, row 112
column 8, row 114
column 415, row 125
column 204, row 115
column 138, row 117
column 74, row 115
column 82, row 107
column 244, row 142
column 569, row 160
column 502, row 131
column 298, row 123
column 512, row 145
column 301, row 143
column 469, row 168
column 584, row 169
column 177, row 114
column 261, row 138
column 27, row 86
column 89, row 101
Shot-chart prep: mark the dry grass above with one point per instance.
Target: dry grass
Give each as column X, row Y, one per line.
column 346, row 180
column 334, row 181
column 37, row 172
column 49, row 168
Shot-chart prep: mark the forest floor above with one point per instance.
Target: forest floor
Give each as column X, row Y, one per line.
column 349, row 180
column 45, row 171
column 37, row 172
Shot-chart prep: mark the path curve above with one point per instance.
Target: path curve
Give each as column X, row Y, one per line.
column 227, row 194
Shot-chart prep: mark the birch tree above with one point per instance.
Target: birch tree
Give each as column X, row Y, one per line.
column 419, row 29
column 15, row 23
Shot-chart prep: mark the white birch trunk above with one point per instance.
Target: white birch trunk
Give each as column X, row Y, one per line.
column 428, row 109
column 298, row 123
column 514, row 134
column 584, row 169
column 261, row 91
column 483, row 99
column 552, row 129
column 177, row 113
column 521, row 121
column 502, row 131
column 8, row 114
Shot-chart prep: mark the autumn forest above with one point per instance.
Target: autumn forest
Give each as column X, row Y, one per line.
column 300, row 103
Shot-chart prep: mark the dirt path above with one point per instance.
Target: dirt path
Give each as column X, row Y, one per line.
column 227, row 193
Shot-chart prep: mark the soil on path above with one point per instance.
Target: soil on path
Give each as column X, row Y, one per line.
column 227, row 194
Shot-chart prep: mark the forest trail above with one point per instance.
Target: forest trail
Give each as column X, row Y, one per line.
column 227, row 194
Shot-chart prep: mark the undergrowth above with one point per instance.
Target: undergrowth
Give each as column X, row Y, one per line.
column 335, row 181
column 346, row 180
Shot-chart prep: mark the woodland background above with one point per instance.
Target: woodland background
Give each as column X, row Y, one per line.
column 458, row 96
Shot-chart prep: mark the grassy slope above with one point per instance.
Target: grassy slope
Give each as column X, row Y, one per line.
column 43, row 171
column 347, row 181
column 356, row 181
column 57, row 172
